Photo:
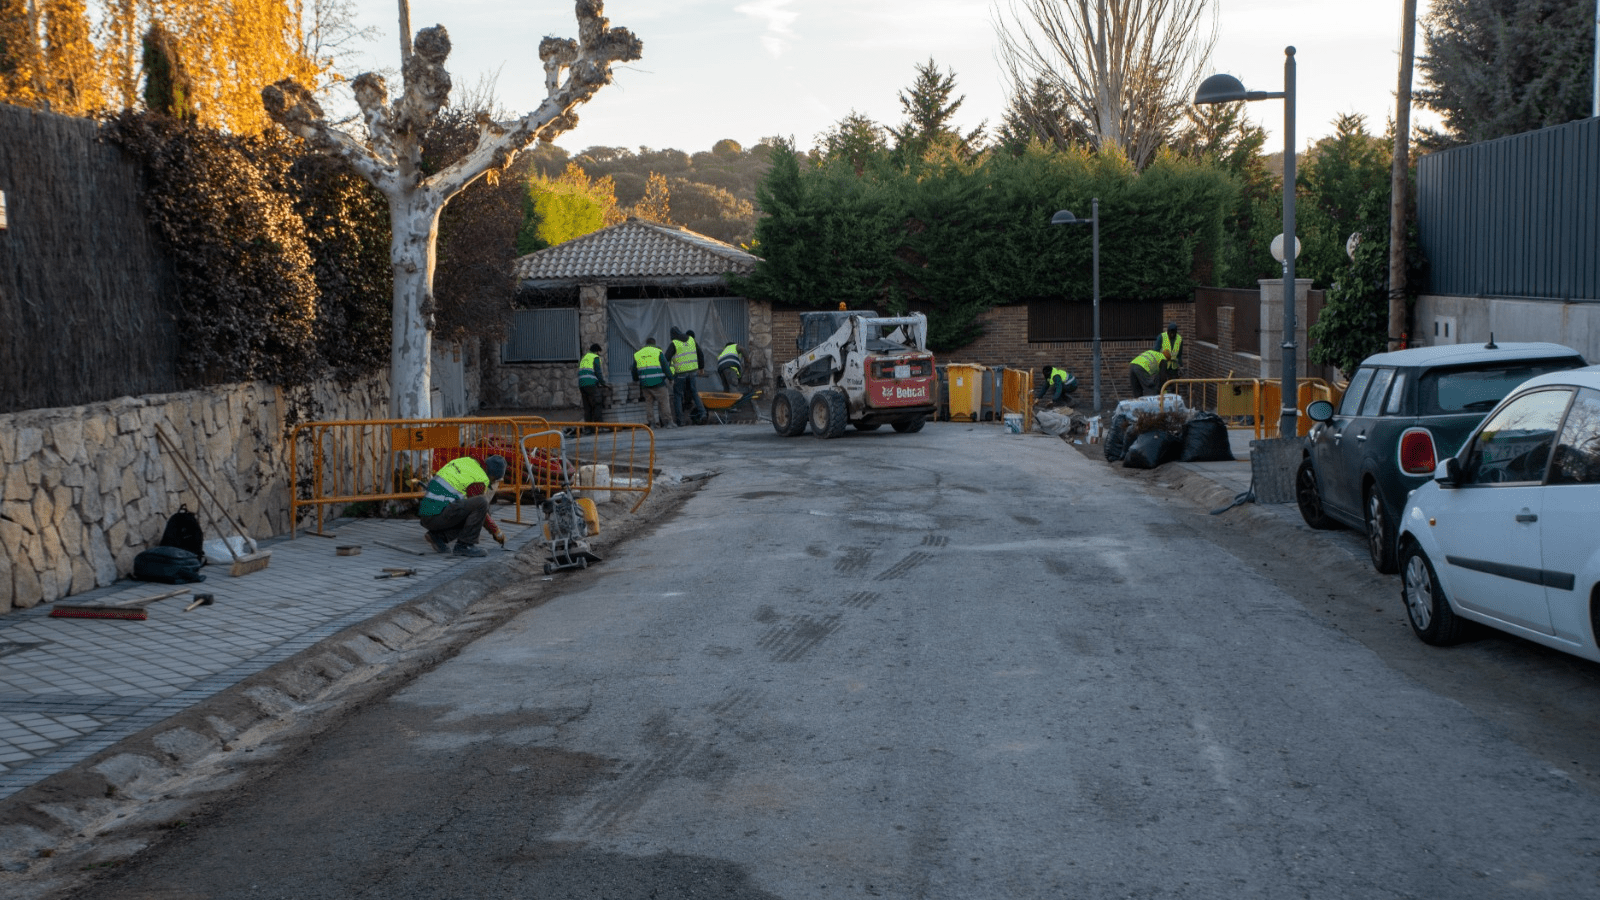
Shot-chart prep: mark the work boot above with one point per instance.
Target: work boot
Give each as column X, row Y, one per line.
column 472, row 550
column 439, row 544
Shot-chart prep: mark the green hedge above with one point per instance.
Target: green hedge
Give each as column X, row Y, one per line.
column 956, row 240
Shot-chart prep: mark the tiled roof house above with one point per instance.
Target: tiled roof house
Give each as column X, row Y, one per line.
column 614, row 287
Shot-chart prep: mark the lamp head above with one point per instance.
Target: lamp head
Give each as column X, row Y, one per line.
column 1220, row 89
column 1065, row 217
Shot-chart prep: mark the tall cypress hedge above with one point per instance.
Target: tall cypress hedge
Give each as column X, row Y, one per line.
column 956, row 239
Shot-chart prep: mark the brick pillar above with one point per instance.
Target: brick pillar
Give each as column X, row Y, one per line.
column 1225, row 339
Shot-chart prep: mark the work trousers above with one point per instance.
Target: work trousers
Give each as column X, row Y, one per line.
column 594, row 400
column 730, row 378
column 461, row 521
column 1143, row 383
column 686, row 406
column 657, row 404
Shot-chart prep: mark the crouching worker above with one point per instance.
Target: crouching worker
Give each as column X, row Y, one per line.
column 456, row 506
column 1058, row 386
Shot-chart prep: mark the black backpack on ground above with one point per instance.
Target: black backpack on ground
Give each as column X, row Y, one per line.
column 183, row 531
column 168, row 565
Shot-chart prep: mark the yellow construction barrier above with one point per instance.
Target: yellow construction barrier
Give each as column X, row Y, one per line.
column 1251, row 402
column 352, row 461
column 1016, row 395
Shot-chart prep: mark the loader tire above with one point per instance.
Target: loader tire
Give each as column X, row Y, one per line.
column 789, row 413
column 829, row 414
column 910, row 426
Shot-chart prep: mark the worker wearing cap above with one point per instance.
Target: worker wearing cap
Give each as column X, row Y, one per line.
column 592, row 384
column 1058, row 385
column 1146, row 373
column 730, row 366
column 651, row 371
column 456, row 505
column 1170, row 343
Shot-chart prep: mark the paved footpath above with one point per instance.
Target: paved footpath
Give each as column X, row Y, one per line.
column 70, row 687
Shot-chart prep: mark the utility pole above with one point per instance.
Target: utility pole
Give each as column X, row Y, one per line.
column 1398, row 182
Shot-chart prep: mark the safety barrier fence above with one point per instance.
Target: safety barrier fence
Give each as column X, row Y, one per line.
column 1251, row 402
column 1016, row 395
column 337, row 463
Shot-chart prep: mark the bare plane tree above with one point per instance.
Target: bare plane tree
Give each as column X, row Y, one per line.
column 391, row 159
column 1125, row 68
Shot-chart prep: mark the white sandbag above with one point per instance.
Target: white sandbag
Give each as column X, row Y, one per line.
column 593, row 481
column 216, row 550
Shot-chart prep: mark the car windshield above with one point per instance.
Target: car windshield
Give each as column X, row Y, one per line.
column 1478, row 389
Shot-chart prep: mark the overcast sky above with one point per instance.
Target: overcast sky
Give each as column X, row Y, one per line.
column 748, row 69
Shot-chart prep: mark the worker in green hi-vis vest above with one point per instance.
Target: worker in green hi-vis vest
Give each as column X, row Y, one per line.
column 655, row 384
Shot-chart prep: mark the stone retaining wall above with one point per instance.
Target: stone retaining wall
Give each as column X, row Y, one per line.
column 87, row 487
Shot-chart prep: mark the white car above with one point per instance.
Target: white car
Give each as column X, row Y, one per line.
column 1508, row 531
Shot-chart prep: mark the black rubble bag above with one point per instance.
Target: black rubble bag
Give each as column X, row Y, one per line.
column 1205, row 439
column 1151, row 449
column 1116, row 439
column 183, row 531
column 168, row 565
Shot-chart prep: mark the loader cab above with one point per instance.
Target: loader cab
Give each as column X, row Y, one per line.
column 816, row 327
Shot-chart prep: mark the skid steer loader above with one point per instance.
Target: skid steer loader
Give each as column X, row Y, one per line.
column 856, row 368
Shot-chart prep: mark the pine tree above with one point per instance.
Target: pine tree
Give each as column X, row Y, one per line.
column 1499, row 67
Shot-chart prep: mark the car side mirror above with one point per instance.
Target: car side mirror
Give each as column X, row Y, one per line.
column 1319, row 410
column 1448, row 473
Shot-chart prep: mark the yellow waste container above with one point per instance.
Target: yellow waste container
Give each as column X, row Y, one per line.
column 966, row 391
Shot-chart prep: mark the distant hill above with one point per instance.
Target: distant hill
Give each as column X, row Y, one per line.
column 712, row 192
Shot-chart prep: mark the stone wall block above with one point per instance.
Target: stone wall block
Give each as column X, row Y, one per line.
column 30, row 440
column 100, row 556
column 26, row 589
column 130, row 422
column 7, row 591
column 66, row 436
column 17, row 485
column 94, row 431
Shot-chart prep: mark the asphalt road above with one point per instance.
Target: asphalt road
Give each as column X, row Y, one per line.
column 958, row 664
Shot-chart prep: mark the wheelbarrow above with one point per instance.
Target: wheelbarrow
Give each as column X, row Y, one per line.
column 725, row 406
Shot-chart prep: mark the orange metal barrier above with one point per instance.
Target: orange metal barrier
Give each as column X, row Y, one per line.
column 352, row 461
column 1016, row 395
column 1255, row 399
column 626, row 450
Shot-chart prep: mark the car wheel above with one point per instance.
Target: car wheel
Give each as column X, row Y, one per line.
column 910, row 426
column 1305, row 494
column 1380, row 542
column 829, row 414
column 1427, row 608
column 789, row 413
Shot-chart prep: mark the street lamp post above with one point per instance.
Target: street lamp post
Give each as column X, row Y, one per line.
column 1228, row 89
column 1065, row 217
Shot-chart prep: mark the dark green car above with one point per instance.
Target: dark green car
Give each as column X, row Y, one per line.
column 1402, row 413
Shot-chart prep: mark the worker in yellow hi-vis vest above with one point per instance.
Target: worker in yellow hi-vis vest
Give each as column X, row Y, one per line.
column 1170, row 343
column 686, row 362
column 1146, row 373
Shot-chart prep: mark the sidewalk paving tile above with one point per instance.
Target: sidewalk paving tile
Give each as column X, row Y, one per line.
column 72, row 687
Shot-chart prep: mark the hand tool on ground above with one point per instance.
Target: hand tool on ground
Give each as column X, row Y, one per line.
column 348, row 550
column 409, row 550
column 242, row 565
column 396, row 573
column 200, row 600
column 132, row 608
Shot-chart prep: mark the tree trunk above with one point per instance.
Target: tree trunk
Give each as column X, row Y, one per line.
column 415, row 220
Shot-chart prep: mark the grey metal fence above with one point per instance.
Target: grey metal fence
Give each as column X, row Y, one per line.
column 1515, row 217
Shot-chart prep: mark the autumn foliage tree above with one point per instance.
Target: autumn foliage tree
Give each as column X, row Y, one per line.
column 390, row 157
